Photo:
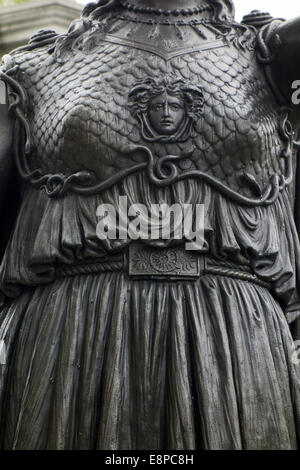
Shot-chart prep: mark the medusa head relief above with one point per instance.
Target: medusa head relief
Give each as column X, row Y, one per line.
column 167, row 110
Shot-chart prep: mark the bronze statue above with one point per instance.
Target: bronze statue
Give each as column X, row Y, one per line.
column 142, row 344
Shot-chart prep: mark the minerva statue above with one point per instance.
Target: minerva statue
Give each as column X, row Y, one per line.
column 123, row 343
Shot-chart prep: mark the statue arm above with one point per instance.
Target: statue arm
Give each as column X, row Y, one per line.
column 284, row 66
column 279, row 52
column 6, row 142
column 7, row 168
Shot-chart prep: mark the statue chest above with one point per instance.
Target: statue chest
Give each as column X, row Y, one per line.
column 209, row 106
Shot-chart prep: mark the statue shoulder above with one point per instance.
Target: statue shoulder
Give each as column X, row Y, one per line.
column 42, row 38
column 25, row 62
column 258, row 19
column 278, row 45
column 39, row 44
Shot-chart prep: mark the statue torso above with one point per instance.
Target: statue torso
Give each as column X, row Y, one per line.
column 85, row 108
column 94, row 103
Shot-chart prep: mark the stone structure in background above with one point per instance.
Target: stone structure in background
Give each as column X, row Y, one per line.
column 20, row 20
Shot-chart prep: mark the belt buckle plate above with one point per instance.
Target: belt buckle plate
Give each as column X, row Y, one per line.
column 171, row 263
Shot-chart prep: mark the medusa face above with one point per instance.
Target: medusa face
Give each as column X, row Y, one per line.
column 166, row 113
column 167, row 110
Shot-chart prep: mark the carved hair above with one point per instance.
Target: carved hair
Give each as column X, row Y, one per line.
column 144, row 91
column 96, row 10
column 223, row 9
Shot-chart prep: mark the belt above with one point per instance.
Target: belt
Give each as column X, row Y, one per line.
column 142, row 261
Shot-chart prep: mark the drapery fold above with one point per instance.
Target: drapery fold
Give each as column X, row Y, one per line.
column 63, row 231
column 102, row 362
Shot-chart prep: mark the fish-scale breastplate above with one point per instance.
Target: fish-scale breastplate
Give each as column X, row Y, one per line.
column 90, row 110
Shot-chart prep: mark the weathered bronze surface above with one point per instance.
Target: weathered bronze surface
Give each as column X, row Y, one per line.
column 141, row 344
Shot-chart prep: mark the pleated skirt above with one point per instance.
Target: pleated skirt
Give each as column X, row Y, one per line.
column 105, row 362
